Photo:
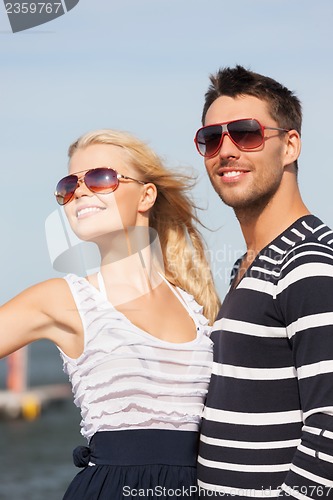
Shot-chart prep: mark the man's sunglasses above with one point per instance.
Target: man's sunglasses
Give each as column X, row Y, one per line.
column 246, row 134
column 101, row 180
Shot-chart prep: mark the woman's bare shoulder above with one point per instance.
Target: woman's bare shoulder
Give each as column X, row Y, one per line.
column 44, row 310
column 47, row 293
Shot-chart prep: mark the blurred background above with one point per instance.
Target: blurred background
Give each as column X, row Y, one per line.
column 140, row 66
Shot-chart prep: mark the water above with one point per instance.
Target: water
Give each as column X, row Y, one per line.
column 36, row 457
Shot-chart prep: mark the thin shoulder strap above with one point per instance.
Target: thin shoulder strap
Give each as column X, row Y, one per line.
column 176, row 293
column 101, row 285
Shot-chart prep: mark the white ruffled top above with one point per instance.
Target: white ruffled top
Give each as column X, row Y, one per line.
column 129, row 379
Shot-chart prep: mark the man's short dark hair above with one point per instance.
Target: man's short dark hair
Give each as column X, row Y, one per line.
column 283, row 105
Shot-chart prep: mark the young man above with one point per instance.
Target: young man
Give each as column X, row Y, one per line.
column 268, row 423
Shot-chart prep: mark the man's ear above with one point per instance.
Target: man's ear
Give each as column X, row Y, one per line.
column 293, row 147
column 148, row 197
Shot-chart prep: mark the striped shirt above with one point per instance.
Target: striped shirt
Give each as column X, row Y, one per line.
column 268, row 422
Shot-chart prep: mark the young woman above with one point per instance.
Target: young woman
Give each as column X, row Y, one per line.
column 133, row 337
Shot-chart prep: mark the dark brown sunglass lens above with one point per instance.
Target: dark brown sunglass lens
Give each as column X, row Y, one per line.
column 247, row 134
column 101, row 180
column 208, row 140
column 65, row 189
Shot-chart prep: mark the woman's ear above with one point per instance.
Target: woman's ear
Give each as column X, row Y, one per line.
column 148, row 197
column 293, row 147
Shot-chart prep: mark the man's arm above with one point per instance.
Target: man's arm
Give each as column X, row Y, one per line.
column 305, row 298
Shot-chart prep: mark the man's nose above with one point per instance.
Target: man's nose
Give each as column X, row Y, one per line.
column 227, row 147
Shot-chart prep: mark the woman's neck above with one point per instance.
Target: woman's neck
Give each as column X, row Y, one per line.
column 132, row 266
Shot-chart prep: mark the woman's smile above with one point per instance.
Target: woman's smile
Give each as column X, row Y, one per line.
column 88, row 210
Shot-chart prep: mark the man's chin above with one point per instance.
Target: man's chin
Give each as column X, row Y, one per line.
column 234, row 202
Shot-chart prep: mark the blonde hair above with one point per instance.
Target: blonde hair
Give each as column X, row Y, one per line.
column 173, row 216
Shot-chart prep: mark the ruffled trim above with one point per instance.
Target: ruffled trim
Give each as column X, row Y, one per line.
column 126, row 390
column 106, row 401
column 197, row 309
column 143, row 421
column 138, row 409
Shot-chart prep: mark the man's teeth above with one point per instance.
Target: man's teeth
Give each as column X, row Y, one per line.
column 232, row 173
column 87, row 210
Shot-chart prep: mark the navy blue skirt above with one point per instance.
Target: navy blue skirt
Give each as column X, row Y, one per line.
column 150, row 463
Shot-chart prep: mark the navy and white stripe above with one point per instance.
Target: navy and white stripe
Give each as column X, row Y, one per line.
column 268, row 423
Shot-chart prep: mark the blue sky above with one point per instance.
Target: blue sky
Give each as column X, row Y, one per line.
column 143, row 66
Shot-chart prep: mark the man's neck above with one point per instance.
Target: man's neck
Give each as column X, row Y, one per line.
column 261, row 225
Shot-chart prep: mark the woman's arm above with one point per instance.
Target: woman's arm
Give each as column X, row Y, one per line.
column 44, row 311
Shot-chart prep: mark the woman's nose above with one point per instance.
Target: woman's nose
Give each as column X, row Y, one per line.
column 81, row 189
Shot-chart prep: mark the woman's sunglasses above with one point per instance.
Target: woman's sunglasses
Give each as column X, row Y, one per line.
column 246, row 134
column 101, row 180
